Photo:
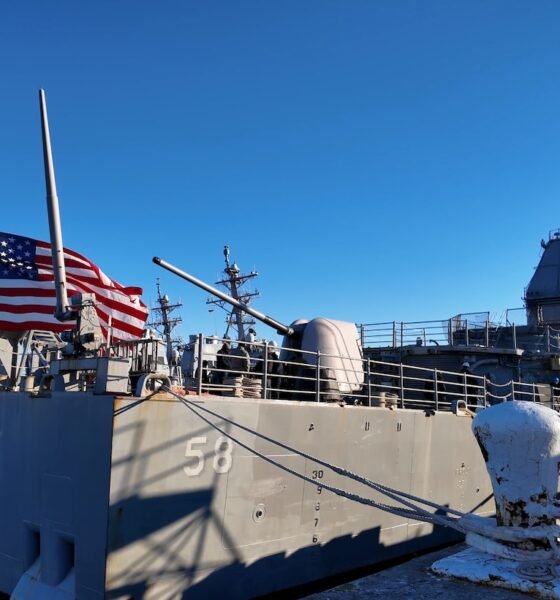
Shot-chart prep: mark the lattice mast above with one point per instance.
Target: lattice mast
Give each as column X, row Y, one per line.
column 164, row 324
column 235, row 284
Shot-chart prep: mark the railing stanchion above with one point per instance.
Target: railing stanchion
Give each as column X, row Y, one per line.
column 514, row 335
column 200, row 363
column 265, row 372
column 318, row 378
column 369, row 381
column 436, row 391
column 402, row 384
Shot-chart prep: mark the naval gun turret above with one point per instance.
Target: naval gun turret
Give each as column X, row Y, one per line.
column 335, row 343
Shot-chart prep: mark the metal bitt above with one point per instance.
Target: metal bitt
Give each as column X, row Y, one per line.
column 280, row 328
column 520, row 442
column 61, row 312
column 519, row 549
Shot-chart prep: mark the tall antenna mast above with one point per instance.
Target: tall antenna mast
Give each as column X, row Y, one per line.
column 164, row 323
column 234, row 284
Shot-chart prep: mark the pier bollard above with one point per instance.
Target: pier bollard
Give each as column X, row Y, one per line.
column 520, row 443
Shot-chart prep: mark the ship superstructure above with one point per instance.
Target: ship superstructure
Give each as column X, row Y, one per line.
column 524, row 348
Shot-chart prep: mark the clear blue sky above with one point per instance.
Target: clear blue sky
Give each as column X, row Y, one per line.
column 372, row 160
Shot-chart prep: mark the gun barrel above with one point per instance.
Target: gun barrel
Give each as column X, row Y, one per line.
column 280, row 327
column 54, row 217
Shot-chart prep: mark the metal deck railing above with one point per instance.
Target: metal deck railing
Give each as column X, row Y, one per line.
column 258, row 372
column 471, row 329
column 255, row 370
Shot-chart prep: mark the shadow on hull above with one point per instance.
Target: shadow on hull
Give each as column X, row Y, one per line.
column 296, row 575
column 135, row 518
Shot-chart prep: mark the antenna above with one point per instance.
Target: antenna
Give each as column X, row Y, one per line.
column 234, row 283
column 226, row 256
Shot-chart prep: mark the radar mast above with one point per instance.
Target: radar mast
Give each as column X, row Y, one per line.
column 164, row 324
column 235, row 283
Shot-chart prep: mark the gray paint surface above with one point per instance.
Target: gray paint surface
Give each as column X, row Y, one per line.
column 178, row 509
column 54, row 483
column 204, row 531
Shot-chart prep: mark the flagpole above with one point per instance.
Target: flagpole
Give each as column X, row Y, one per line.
column 54, row 218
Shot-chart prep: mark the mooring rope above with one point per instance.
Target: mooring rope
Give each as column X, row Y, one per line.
column 481, row 532
column 420, row 513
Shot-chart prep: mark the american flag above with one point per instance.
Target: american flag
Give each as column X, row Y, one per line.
column 28, row 297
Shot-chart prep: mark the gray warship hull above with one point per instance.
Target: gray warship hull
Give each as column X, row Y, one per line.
column 124, row 497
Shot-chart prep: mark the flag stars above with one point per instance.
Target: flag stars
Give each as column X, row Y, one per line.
column 19, row 247
column 4, row 243
column 11, row 240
